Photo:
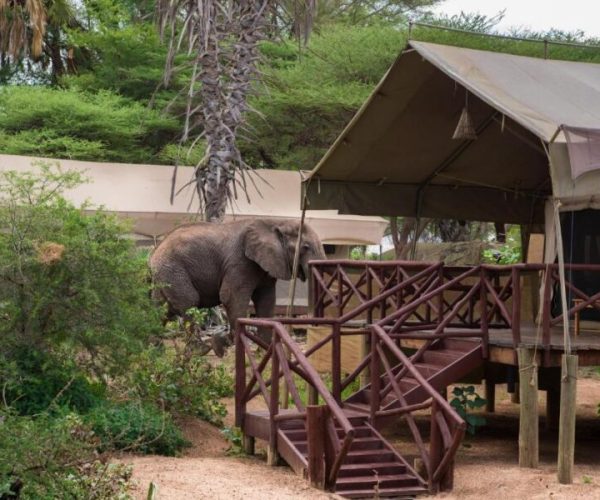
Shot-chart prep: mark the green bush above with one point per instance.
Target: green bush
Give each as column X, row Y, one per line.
column 42, row 121
column 181, row 382
column 135, row 427
column 55, row 457
column 464, row 401
column 74, row 302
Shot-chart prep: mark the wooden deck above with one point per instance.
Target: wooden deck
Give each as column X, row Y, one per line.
column 501, row 350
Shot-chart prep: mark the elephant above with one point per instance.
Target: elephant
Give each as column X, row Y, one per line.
column 207, row 264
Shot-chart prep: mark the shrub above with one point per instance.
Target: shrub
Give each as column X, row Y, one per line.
column 135, row 427
column 74, row 303
column 466, row 399
column 55, row 457
column 181, row 382
column 42, row 121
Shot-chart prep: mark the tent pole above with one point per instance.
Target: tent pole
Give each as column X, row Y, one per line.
column 413, row 249
column 292, row 290
column 569, row 363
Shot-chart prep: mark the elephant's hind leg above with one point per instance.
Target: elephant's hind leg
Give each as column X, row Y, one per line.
column 180, row 294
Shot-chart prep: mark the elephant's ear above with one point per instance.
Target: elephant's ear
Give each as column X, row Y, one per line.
column 264, row 244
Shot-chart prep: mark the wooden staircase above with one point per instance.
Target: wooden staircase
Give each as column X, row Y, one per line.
column 442, row 364
column 371, row 464
column 336, row 444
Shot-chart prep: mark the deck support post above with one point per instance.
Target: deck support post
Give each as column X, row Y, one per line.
column 568, row 407
column 490, row 395
column 515, row 396
column 249, row 442
column 552, row 408
column 529, row 417
column 316, row 436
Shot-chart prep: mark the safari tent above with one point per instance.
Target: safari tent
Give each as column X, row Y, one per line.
column 536, row 144
column 141, row 193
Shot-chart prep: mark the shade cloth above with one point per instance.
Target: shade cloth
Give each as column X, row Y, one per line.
column 397, row 155
column 142, row 193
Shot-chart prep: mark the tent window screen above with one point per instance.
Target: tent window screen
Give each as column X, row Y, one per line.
column 584, row 149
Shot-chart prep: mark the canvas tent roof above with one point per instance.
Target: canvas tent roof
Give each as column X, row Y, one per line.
column 397, row 155
column 142, row 192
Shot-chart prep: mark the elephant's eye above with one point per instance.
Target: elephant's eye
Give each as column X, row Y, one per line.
column 306, row 246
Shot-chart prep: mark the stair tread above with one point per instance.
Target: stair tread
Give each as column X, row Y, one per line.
column 371, row 465
column 397, row 491
column 355, row 453
column 378, row 477
column 365, row 439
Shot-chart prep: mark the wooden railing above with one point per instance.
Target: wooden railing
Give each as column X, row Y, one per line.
column 422, row 296
column 447, row 427
column 281, row 358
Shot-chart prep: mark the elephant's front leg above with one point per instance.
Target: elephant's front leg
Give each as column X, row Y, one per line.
column 264, row 305
column 236, row 301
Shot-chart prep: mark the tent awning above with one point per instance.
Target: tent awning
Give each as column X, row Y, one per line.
column 397, row 155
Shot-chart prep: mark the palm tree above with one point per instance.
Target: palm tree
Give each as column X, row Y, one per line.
column 222, row 38
column 22, row 27
column 33, row 30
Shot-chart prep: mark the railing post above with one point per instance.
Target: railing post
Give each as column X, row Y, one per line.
column 375, row 377
column 240, row 378
column 340, row 284
column 435, row 448
column 516, row 306
column 440, row 298
column 369, row 294
column 336, row 363
column 272, row 454
column 483, row 311
column 316, row 419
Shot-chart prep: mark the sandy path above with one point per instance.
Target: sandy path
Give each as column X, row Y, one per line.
column 486, row 466
column 205, row 471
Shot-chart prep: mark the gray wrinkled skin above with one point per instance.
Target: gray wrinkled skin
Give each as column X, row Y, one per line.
column 206, row 264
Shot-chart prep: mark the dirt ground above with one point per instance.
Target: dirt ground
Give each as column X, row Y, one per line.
column 486, row 465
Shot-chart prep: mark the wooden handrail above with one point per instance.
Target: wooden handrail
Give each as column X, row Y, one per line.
column 416, row 374
column 280, row 334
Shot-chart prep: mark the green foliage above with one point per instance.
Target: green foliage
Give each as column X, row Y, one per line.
column 235, row 438
column 55, row 457
column 532, row 47
column 311, row 96
column 71, row 287
column 72, row 124
column 181, row 382
column 135, row 427
column 128, row 60
column 507, row 253
column 466, row 399
column 39, row 382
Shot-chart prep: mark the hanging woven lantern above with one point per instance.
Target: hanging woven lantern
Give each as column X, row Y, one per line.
column 464, row 128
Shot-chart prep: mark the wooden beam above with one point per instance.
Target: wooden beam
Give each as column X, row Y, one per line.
column 568, row 407
column 529, row 419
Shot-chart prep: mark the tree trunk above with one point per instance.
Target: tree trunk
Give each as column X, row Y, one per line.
column 401, row 238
